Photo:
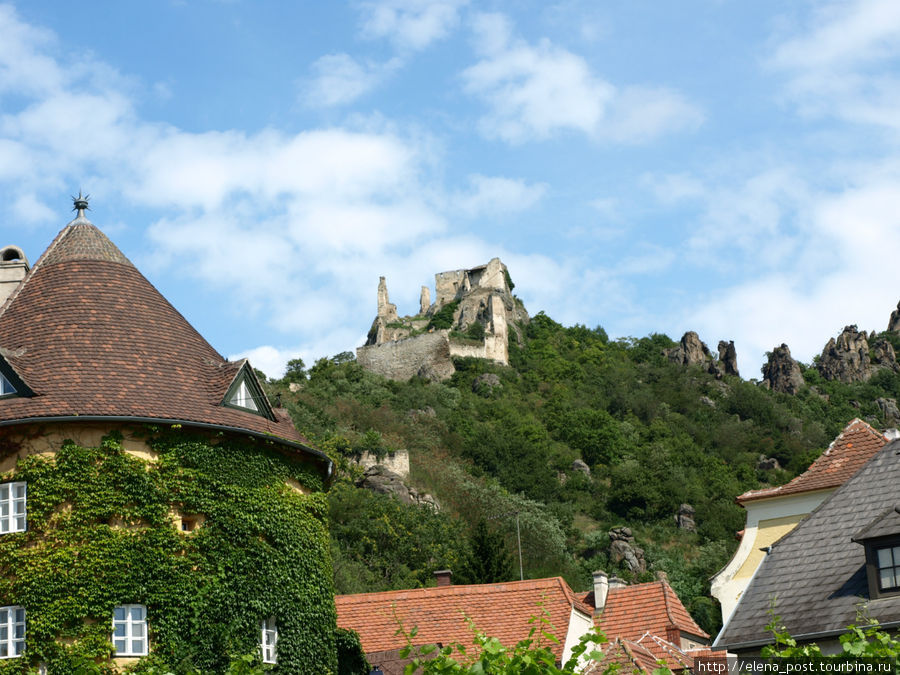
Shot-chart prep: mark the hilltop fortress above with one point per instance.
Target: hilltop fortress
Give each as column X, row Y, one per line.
column 473, row 314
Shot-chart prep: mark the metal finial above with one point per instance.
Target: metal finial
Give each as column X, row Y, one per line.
column 81, row 204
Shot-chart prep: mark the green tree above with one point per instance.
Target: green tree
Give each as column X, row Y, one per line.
column 489, row 560
column 295, row 371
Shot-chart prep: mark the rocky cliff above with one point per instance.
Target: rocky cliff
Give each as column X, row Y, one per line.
column 851, row 358
column 692, row 351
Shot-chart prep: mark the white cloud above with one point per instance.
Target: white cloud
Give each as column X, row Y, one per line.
column 536, row 91
column 493, row 195
column 843, row 64
column 339, row 79
column 411, row 24
column 834, row 265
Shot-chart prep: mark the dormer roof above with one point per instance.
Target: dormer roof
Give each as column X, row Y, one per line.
column 846, row 455
column 91, row 337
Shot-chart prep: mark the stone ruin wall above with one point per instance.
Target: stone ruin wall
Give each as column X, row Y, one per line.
column 484, row 298
column 427, row 355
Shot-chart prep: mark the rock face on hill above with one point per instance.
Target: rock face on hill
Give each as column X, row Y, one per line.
column 781, row 372
column 692, row 351
column 851, row 358
column 894, row 322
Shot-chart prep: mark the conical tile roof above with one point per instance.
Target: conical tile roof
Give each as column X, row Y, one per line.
column 91, row 337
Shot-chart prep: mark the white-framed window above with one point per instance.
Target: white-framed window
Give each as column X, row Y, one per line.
column 6, row 387
column 12, row 631
column 269, row 640
column 243, row 397
column 12, row 507
column 129, row 636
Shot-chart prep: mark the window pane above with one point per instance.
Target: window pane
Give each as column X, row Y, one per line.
column 886, row 578
column 4, row 491
column 4, row 633
column 119, row 630
column 19, row 647
column 119, row 614
column 4, row 650
column 137, row 630
column 137, row 646
column 119, row 645
column 20, row 523
column 19, row 631
column 137, row 614
column 884, row 557
column 20, row 615
column 19, row 490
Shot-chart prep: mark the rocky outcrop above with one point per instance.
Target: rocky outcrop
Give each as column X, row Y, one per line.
column 894, row 323
column 486, row 383
column 622, row 549
column 850, row 357
column 781, row 372
column 728, row 358
column 684, row 519
column 764, row 463
column 380, row 479
column 692, row 351
column 581, row 466
column 889, row 410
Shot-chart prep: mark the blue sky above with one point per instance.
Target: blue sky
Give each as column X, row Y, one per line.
column 725, row 167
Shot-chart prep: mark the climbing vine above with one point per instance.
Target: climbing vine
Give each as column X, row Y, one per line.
column 101, row 533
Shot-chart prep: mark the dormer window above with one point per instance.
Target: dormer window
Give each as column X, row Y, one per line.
column 242, row 398
column 888, row 563
column 6, row 388
column 881, row 538
column 246, row 394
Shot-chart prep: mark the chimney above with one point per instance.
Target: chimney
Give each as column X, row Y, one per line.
column 673, row 635
column 616, row 582
column 443, row 577
column 13, row 268
column 601, row 590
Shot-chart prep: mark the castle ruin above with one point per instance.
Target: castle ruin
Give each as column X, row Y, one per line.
column 472, row 315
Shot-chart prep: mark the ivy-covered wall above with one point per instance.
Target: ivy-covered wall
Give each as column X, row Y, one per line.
column 101, row 533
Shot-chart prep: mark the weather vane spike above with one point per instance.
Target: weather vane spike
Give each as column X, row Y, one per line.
column 81, row 203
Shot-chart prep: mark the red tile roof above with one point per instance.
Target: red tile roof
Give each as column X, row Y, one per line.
column 439, row 613
column 91, row 337
column 630, row 656
column 635, row 612
column 853, row 447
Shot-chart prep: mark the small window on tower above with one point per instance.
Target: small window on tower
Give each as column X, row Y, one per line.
column 6, row 387
column 243, row 397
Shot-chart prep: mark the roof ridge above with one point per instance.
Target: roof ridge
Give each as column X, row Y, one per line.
column 664, row 586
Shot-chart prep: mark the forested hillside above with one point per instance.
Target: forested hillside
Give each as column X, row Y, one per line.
column 655, row 435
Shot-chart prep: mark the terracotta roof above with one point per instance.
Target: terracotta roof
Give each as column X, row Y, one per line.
column 91, row 337
column 630, row 656
column 439, row 613
column 636, row 612
column 853, row 447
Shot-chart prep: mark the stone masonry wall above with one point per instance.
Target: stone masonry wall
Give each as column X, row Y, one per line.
column 427, row 355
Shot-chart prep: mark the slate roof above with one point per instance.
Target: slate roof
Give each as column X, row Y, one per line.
column 91, row 337
column 439, row 613
column 816, row 574
column 647, row 610
column 853, row 447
